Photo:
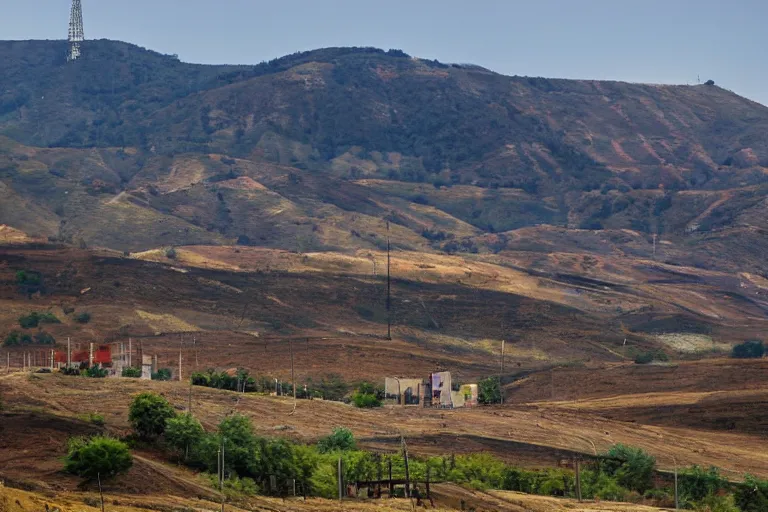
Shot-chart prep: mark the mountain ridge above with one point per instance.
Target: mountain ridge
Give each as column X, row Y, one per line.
column 313, row 150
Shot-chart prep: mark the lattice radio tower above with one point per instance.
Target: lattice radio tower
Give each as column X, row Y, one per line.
column 76, row 34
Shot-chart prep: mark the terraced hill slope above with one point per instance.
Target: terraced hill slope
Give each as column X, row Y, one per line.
column 131, row 150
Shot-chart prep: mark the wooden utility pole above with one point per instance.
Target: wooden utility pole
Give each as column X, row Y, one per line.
column 501, row 375
column 340, row 479
column 578, row 479
column 677, row 503
column 98, row 477
column 293, row 380
column 389, row 289
column 407, row 472
column 221, row 473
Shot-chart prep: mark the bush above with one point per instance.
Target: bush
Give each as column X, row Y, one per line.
column 131, row 372
column 183, row 432
column 223, row 380
column 753, row 349
column 43, row 338
column 717, row 503
column 83, row 318
column 148, row 415
column 365, row 400
column 340, row 439
column 162, row 374
column 16, row 338
column 649, row 357
column 104, row 457
column 34, row 319
column 170, row 253
column 332, row 387
column 95, row 418
column 367, row 396
column 489, row 391
column 632, row 467
column 696, row 483
column 96, row 372
column 752, row 495
column 27, row 278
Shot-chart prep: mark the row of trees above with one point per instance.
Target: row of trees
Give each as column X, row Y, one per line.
column 255, row 464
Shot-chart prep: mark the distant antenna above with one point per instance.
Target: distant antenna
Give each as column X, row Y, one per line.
column 76, row 33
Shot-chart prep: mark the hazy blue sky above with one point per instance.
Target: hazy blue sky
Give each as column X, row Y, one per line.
column 662, row 41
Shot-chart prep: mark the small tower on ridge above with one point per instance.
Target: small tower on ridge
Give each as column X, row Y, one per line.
column 76, row 33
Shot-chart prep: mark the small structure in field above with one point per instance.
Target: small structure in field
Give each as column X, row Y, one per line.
column 435, row 391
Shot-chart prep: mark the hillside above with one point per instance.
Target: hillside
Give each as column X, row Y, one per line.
column 312, row 151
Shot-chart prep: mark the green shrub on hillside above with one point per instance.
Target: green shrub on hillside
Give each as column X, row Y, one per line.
column 752, row 495
column 43, row 338
column 632, row 467
column 27, row 278
column 489, row 391
column 131, row 372
column 96, row 372
column 34, row 319
column 102, row 457
column 696, row 483
column 649, row 357
column 753, row 349
column 15, row 338
column 367, row 396
column 340, row 439
column 83, row 318
column 162, row 374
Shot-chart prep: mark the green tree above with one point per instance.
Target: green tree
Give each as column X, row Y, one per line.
column 632, row 467
column 240, row 445
column 366, row 396
column 104, row 457
column 696, row 483
column 148, row 415
column 340, row 439
column 753, row 349
column 489, row 391
column 16, row 338
column 182, row 432
column 752, row 495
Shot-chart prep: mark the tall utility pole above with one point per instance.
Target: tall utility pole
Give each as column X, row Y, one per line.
column 76, row 32
column 501, row 375
column 389, row 291
column 293, row 380
column 181, row 345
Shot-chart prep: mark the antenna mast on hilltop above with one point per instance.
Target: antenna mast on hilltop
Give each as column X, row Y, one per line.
column 76, row 33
